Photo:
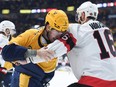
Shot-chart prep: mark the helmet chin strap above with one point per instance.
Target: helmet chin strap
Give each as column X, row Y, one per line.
column 47, row 37
column 48, row 34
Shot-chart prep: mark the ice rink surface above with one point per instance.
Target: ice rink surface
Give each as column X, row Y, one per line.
column 63, row 77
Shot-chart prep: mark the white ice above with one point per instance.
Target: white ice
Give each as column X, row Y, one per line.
column 63, row 78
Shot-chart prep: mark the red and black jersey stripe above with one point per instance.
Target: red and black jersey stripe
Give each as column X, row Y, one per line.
column 0, row 48
column 68, row 40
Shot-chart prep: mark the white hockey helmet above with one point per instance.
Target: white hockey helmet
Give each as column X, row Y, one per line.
column 7, row 27
column 90, row 10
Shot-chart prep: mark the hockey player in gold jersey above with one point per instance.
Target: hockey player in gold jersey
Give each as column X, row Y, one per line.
column 28, row 45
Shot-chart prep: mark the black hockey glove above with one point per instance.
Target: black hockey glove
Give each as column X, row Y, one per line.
column 3, row 72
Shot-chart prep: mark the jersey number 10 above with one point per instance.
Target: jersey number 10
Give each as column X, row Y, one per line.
column 104, row 53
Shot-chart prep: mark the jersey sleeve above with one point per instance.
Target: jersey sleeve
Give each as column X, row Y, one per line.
column 13, row 52
column 63, row 45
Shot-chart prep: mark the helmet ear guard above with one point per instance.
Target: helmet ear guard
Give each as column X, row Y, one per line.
column 58, row 20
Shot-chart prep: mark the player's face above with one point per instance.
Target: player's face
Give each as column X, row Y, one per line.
column 80, row 17
column 54, row 34
column 7, row 31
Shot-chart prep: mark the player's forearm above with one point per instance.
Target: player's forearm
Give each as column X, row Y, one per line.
column 13, row 52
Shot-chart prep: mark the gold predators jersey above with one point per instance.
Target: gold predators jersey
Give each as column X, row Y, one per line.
column 32, row 39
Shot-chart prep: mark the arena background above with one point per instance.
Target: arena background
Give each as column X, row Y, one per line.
column 31, row 13
column 27, row 13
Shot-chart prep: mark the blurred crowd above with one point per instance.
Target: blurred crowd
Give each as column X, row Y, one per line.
column 26, row 21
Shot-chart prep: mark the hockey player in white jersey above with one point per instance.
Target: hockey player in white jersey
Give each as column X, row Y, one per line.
column 93, row 59
column 7, row 30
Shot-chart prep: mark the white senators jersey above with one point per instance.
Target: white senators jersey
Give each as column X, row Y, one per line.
column 94, row 54
column 3, row 42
